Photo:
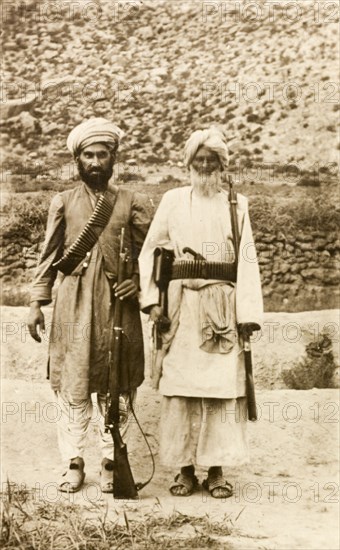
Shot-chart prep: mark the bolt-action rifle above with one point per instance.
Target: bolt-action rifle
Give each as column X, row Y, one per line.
column 123, row 482
column 163, row 260
column 250, row 389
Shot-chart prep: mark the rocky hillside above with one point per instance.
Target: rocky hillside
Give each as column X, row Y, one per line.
column 161, row 68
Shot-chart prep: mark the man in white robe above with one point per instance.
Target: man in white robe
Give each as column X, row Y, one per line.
column 202, row 372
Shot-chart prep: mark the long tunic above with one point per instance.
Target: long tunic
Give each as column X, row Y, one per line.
column 80, row 331
column 202, row 223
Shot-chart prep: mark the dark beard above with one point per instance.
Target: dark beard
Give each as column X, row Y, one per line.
column 95, row 180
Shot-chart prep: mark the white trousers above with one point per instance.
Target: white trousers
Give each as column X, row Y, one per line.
column 74, row 419
column 203, row 431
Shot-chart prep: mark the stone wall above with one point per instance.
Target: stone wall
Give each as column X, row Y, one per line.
column 19, row 256
column 297, row 271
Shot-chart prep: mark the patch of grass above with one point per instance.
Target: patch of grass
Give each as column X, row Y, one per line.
column 170, row 179
column 26, row 214
column 15, row 297
column 315, row 370
column 127, row 176
column 309, row 181
column 318, row 213
column 30, row 524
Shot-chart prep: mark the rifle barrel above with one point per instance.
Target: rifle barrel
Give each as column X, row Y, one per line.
column 250, row 388
column 123, row 482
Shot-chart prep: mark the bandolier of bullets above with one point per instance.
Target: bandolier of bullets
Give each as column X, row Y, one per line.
column 200, row 269
column 87, row 238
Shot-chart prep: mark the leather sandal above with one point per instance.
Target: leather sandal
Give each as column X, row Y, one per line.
column 218, row 482
column 106, row 476
column 73, row 477
column 188, row 482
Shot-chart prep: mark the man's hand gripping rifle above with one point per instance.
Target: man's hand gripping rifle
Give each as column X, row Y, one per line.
column 123, row 482
column 163, row 260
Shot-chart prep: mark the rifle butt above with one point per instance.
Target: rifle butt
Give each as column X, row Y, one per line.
column 250, row 388
column 251, row 401
column 124, row 486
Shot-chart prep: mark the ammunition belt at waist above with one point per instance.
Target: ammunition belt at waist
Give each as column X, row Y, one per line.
column 200, row 269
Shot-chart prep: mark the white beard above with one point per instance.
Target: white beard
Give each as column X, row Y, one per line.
column 206, row 185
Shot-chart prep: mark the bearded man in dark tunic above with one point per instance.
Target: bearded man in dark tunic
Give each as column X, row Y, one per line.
column 80, row 332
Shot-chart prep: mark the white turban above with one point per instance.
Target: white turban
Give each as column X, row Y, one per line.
column 213, row 138
column 94, row 130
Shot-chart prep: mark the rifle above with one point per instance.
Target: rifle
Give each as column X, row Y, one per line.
column 123, row 482
column 250, row 389
column 163, row 260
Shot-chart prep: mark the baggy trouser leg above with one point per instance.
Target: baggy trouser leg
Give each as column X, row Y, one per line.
column 72, row 425
column 202, row 431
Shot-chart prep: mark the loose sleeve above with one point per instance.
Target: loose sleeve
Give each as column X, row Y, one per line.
column 45, row 274
column 158, row 235
column 249, row 301
column 142, row 211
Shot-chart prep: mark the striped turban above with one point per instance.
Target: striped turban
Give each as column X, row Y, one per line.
column 94, row 130
column 213, row 138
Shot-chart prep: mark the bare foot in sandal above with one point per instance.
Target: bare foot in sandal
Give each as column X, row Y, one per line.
column 217, row 486
column 73, row 477
column 184, row 483
column 106, row 476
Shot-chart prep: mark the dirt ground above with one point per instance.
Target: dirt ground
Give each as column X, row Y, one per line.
column 286, row 497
